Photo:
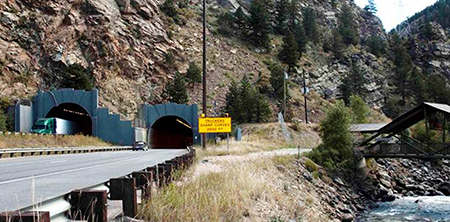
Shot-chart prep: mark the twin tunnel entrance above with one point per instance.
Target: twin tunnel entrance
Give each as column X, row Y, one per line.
column 165, row 132
column 170, row 132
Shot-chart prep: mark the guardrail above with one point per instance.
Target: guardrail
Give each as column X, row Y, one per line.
column 20, row 152
column 90, row 204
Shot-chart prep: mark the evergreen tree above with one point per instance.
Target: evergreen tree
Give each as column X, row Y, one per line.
column 347, row 26
column 359, row 109
column 403, row 65
column 376, row 45
column 353, row 84
column 259, row 23
column 338, row 46
column 282, row 16
column 371, row 7
column 289, row 52
column 226, row 25
column 277, row 81
column 233, row 104
column 194, row 74
column 438, row 90
column 2, row 121
column 176, row 91
column 262, row 108
column 241, row 19
column 245, row 104
column 246, row 95
column 419, row 84
column 300, row 38
column 169, row 8
column 310, row 24
column 76, row 77
column 336, row 150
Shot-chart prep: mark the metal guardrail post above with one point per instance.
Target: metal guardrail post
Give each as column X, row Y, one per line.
column 125, row 189
column 144, row 180
column 88, row 205
column 29, row 216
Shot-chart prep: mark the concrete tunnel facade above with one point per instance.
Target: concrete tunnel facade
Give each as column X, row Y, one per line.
column 168, row 125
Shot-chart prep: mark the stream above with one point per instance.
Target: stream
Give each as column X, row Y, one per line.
column 427, row 208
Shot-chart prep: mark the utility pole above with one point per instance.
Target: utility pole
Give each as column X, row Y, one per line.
column 204, row 71
column 284, row 94
column 304, row 94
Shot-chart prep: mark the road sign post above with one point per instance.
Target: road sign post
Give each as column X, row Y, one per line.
column 215, row 125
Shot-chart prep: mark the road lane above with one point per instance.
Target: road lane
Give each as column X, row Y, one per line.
column 27, row 180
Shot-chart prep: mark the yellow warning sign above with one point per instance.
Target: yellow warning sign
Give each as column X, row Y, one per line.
column 214, row 125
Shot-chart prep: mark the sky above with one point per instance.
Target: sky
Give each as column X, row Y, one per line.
column 393, row 12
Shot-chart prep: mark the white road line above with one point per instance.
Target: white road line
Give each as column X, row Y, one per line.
column 66, row 171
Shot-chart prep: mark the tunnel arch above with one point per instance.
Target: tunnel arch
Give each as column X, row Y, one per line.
column 73, row 112
column 170, row 132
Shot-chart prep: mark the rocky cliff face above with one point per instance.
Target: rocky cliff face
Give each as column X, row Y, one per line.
column 123, row 44
column 430, row 47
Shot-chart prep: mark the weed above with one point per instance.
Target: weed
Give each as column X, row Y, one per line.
column 310, row 165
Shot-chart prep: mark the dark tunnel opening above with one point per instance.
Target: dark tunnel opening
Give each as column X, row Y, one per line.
column 170, row 132
column 76, row 114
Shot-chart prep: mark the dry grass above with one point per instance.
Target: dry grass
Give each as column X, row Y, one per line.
column 252, row 190
column 32, row 140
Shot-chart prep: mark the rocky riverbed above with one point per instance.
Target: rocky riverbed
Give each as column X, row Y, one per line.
column 354, row 196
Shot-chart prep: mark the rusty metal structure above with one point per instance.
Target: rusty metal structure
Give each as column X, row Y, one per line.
column 393, row 140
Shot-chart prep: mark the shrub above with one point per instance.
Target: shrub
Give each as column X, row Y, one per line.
column 359, row 108
column 310, row 165
column 77, row 77
column 336, row 150
column 194, row 74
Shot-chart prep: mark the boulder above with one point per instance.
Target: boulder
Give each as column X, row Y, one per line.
column 347, row 218
column 444, row 188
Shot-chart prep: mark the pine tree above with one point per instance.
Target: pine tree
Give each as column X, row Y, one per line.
column 300, row 38
column 277, row 81
column 289, row 52
column 226, row 25
column 241, row 19
column 376, row 45
column 347, row 26
column 194, row 74
column 169, row 8
column 371, row 7
column 359, row 109
column 233, row 103
column 403, row 65
column 282, row 16
column 77, row 77
column 2, row 121
column 338, row 45
column 310, row 24
column 176, row 91
column 259, row 23
column 419, row 84
column 336, row 151
column 245, row 104
column 246, row 93
column 353, row 84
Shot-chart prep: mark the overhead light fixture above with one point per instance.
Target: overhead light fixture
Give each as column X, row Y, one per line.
column 186, row 125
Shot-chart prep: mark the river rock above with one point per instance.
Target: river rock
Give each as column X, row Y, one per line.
column 347, row 218
column 444, row 188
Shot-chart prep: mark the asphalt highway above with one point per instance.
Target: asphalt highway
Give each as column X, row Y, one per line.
column 28, row 180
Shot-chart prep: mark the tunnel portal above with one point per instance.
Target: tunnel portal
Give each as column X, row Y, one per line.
column 170, row 132
column 73, row 112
